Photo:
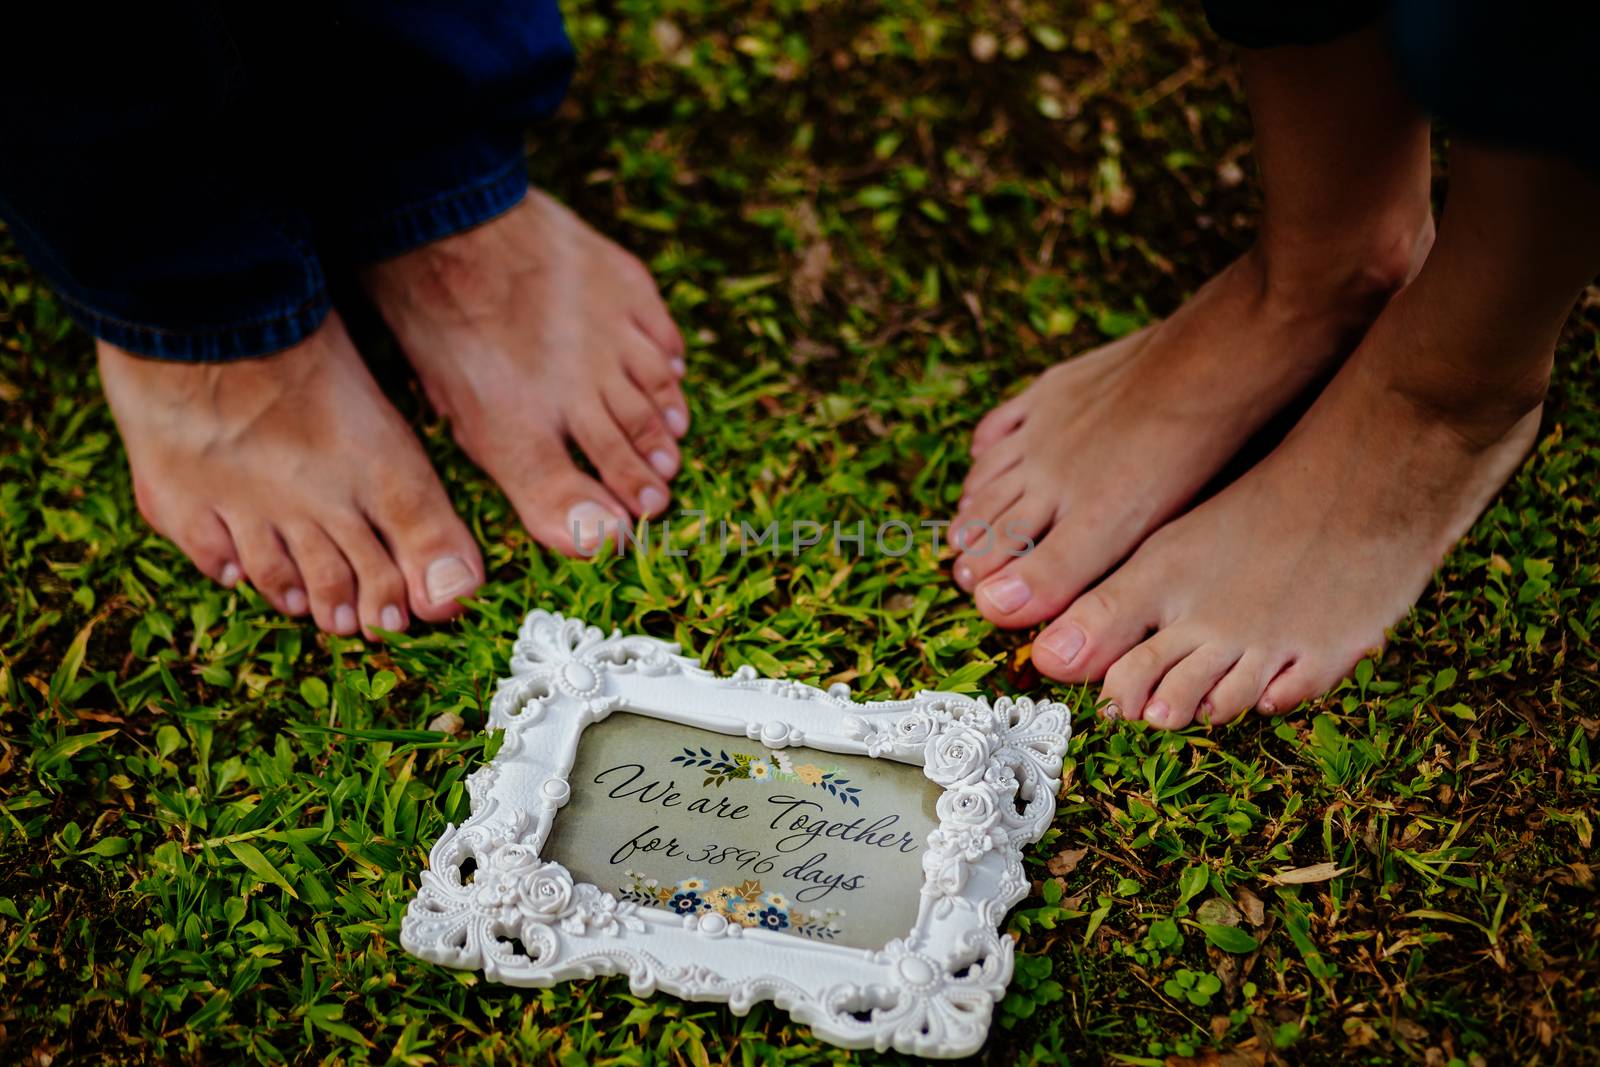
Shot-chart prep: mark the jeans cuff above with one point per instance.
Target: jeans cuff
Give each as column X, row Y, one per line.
column 271, row 333
column 401, row 229
column 1272, row 23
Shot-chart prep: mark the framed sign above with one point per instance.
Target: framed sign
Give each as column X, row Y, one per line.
column 741, row 839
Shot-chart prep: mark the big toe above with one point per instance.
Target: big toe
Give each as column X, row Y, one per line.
column 1038, row 584
column 436, row 554
column 1097, row 628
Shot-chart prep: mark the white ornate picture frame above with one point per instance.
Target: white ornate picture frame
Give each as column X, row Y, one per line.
column 524, row 921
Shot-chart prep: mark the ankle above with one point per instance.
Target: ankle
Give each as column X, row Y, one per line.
column 1355, row 272
column 1478, row 408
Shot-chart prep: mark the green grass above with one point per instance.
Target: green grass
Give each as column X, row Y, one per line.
column 211, row 818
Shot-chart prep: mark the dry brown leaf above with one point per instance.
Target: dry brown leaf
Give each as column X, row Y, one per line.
column 1217, row 912
column 667, row 35
column 1411, row 1030
column 447, row 722
column 806, row 282
column 1317, row 872
column 1066, row 861
column 1255, row 912
column 1228, row 973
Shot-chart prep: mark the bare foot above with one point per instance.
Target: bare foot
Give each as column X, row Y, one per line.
column 1268, row 593
column 532, row 330
column 1106, row 446
column 295, row 472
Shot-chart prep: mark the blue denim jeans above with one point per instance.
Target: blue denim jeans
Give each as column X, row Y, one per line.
column 185, row 174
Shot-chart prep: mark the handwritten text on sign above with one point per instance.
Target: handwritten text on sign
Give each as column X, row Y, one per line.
column 797, row 840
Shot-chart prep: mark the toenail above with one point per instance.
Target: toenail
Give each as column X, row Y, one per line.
column 677, row 422
column 652, row 500
column 295, row 601
column 344, row 618
column 1064, row 644
column 230, row 574
column 587, row 522
column 1112, row 711
column 1268, row 706
column 677, row 366
column 1157, row 712
column 963, row 575
column 1005, row 595
column 449, row 578
column 663, row 462
column 391, row 618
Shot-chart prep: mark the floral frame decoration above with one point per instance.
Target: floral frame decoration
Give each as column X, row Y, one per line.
column 489, row 902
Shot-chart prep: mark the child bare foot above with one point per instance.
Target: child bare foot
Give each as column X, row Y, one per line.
column 295, row 472
column 531, row 331
column 1106, row 446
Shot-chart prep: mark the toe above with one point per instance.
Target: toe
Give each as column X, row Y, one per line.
column 1177, row 698
column 1132, row 679
column 329, row 581
column 206, row 541
column 642, row 422
column 658, row 377
column 998, row 423
column 975, row 516
column 606, row 442
column 1013, row 535
column 1239, row 689
column 380, row 585
column 1040, row 584
column 1302, row 680
column 993, row 464
column 429, row 542
column 650, row 312
column 1094, row 632
column 268, row 565
column 562, row 507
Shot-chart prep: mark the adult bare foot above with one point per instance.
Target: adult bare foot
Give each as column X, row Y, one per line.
column 295, row 472
column 1106, row 446
column 531, row 331
column 1267, row 594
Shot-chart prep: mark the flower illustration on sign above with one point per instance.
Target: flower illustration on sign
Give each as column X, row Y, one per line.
column 746, row 904
column 721, row 767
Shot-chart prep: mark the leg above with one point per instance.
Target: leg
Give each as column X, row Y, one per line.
column 1107, row 446
column 120, row 183
column 529, row 330
column 532, row 331
column 1268, row 593
column 255, row 466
